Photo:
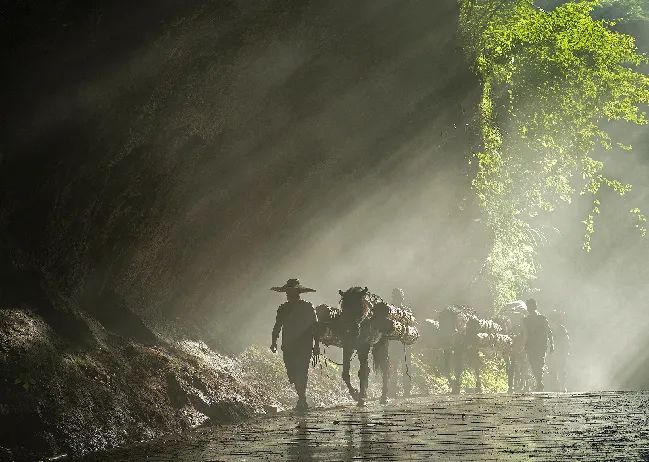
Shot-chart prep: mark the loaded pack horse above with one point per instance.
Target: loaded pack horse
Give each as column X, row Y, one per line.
column 463, row 335
column 365, row 323
column 360, row 325
column 361, row 328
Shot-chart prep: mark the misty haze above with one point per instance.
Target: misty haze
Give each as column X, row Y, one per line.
column 302, row 230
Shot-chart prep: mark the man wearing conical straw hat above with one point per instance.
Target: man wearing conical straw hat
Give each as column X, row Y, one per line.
column 296, row 319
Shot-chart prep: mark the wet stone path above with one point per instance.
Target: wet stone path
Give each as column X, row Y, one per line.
column 549, row 427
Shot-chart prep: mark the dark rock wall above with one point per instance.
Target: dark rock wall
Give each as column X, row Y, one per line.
column 157, row 158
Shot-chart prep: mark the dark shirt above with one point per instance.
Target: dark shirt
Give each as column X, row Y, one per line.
column 538, row 336
column 298, row 322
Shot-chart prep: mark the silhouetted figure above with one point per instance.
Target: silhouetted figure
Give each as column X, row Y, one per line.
column 538, row 338
column 558, row 360
column 361, row 326
column 297, row 321
column 400, row 354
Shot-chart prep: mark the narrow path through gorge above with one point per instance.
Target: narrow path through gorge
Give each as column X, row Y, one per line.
column 551, row 427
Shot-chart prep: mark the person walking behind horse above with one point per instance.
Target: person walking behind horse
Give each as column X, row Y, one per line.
column 538, row 338
column 296, row 319
column 558, row 361
column 400, row 355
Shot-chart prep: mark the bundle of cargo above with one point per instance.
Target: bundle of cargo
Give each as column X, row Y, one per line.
column 496, row 342
column 515, row 308
column 327, row 317
column 464, row 309
column 431, row 325
column 327, row 314
column 393, row 322
column 477, row 325
column 404, row 333
column 396, row 323
column 399, row 314
column 488, row 326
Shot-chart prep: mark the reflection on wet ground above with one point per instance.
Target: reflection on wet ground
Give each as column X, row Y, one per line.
column 551, row 427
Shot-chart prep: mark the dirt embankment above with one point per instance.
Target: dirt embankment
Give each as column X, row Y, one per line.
column 59, row 398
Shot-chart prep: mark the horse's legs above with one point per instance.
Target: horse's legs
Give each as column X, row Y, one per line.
column 477, row 365
column 447, row 366
column 517, row 373
column 347, row 359
column 458, row 356
column 363, row 373
column 509, row 367
column 381, row 357
column 516, row 376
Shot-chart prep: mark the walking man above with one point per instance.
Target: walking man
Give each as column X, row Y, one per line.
column 296, row 319
column 558, row 361
column 538, row 339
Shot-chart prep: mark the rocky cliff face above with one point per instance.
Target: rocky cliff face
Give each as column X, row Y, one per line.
column 60, row 399
column 157, row 159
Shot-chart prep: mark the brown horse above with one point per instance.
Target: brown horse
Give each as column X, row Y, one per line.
column 463, row 335
column 362, row 329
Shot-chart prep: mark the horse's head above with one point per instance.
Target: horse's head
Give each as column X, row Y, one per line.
column 472, row 327
column 355, row 303
column 448, row 320
column 452, row 321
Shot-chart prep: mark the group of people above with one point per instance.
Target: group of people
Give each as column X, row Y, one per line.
column 297, row 322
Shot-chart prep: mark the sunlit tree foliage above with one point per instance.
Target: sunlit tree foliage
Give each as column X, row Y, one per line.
column 552, row 79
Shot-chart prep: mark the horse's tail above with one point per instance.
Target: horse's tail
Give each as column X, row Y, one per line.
column 380, row 357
